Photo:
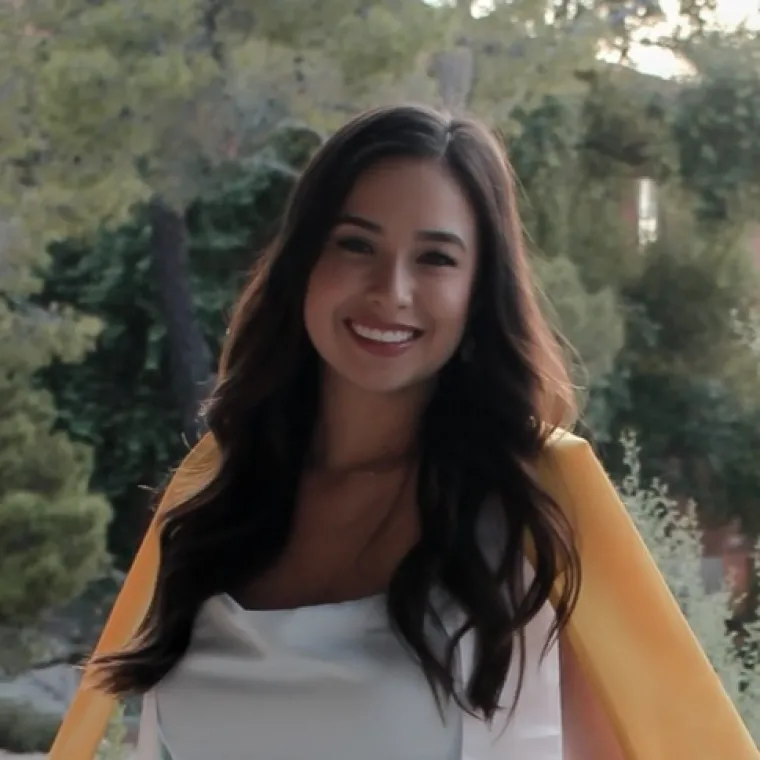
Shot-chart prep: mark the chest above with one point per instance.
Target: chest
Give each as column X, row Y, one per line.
column 322, row 683
column 335, row 682
column 346, row 541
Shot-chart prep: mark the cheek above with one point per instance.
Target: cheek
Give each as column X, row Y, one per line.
column 449, row 305
column 324, row 292
column 315, row 307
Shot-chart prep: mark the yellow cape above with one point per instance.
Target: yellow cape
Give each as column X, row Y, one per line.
column 659, row 690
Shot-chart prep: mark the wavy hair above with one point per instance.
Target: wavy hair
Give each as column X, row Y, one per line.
column 480, row 436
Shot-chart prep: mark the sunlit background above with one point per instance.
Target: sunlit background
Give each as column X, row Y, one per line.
column 729, row 14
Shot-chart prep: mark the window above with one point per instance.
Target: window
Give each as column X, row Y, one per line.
column 647, row 217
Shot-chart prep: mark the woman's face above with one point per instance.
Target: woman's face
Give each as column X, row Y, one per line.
column 387, row 302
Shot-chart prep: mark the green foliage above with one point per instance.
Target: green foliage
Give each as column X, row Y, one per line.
column 109, row 104
column 113, row 746
column 127, row 101
column 117, row 103
column 569, row 207
column 717, row 125
column 673, row 536
column 51, row 548
column 119, row 399
column 24, row 730
column 117, row 91
column 592, row 327
column 699, row 435
column 585, row 250
column 51, row 528
column 684, row 375
column 691, row 380
column 718, row 151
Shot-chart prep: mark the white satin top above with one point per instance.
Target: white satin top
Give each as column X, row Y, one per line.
column 333, row 682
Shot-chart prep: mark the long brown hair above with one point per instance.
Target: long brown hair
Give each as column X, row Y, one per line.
column 480, row 436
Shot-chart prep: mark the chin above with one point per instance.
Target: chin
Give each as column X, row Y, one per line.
column 382, row 383
column 385, row 386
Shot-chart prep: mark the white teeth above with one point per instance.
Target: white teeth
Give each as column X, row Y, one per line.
column 382, row 336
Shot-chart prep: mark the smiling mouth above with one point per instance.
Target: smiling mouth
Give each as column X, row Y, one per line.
column 391, row 337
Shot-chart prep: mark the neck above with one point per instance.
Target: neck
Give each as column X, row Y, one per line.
column 358, row 428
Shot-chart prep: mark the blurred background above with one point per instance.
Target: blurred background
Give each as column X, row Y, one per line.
column 146, row 149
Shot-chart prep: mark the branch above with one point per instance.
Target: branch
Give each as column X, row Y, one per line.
column 75, row 659
column 210, row 21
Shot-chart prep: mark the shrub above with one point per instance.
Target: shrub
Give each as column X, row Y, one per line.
column 675, row 541
column 24, row 729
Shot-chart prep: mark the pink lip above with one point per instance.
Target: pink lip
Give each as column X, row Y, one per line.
column 376, row 348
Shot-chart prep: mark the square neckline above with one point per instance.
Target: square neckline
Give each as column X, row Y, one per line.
column 359, row 601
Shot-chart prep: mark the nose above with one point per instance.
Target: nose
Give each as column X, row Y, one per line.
column 392, row 285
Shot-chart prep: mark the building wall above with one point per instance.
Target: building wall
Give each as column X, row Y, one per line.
column 728, row 549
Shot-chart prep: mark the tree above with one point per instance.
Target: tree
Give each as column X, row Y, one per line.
column 143, row 105
column 52, row 529
column 692, row 380
column 119, row 399
column 683, row 377
column 91, row 115
column 592, row 327
column 717, row 123
column 139, row 102
column 238, row 82
column 117, row 131
column 692, row 376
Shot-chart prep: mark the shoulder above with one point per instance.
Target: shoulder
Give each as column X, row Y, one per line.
column 565, row 457
column 562, row 451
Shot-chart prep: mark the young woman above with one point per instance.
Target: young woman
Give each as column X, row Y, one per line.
column 352, row 582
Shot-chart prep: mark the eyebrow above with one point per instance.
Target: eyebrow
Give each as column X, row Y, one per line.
column 433, row 236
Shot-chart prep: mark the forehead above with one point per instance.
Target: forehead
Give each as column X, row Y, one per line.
column 413, row 194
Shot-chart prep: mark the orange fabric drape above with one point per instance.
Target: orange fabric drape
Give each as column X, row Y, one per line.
column 658, row 688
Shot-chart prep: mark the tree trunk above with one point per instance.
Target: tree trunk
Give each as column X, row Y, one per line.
column 191, row 371
column 454, row 69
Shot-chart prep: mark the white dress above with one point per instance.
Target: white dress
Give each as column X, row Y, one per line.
column 333, row 682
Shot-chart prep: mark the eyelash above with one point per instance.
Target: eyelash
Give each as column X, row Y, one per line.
column 351, row 244
column 443, row 258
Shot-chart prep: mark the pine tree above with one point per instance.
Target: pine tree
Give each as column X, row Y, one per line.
column 52, row 530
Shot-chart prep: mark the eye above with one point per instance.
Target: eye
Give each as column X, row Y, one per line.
column 355, row 244
column 437, row 259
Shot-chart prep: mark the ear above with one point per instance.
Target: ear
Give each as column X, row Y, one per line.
column 587, row 732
